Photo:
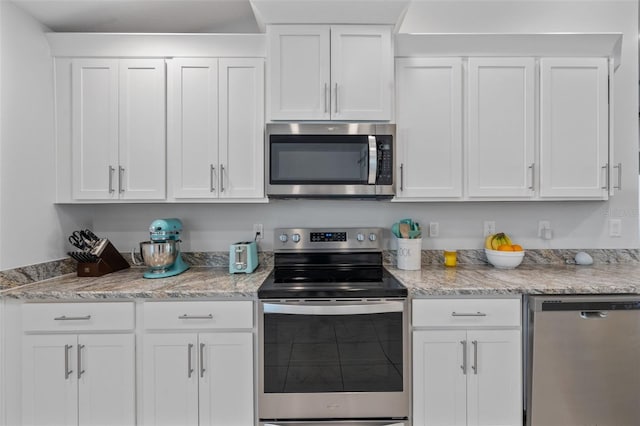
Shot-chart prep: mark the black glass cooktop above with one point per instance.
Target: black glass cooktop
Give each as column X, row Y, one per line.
column 330, row 275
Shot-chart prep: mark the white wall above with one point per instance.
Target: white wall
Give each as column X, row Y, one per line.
column 29, row 222
column 213, row 227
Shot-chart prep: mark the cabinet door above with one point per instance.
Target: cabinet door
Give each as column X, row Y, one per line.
column 241, row 128
column 361, row 72
column 49, row 380
column 170, row 379
column 495, row 378
column 94, row 123
column 142, row 144
column 106, row 383
column 439, row 379
column 192, row 127
column 226, row 379
column 574, row 128
column 298, row 72
column 429, row 127
column 501, row 127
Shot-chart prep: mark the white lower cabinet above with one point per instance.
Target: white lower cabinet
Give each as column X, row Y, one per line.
column 199, row 377
column 77, row 379
column 467, row 372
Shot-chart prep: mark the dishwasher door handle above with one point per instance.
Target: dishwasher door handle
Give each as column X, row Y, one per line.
column 593, row 314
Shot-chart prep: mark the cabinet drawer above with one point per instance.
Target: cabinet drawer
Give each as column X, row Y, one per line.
column 198, row 315
column 78, row 316
column 466, row 312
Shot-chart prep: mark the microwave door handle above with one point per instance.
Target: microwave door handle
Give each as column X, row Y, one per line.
column 373, row 160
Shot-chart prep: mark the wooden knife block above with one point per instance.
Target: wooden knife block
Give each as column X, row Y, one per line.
column 110, row 261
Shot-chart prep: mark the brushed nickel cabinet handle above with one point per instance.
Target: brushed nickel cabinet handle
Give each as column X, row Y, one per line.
column 212, row 175
column 619, row 167
column 187, row 317
column 531, row 167
column 606, row 176
column 401, row 177
column 202, row 369
column 464, row 357
column 474, row 367
column 66, row 318
column 80, row 370
column 67, row 372
column 120, row 179
column 111, row 170
column 221, row 178
column 336, row 110
column 326, row 86
column 189, row 366
column 468, row 314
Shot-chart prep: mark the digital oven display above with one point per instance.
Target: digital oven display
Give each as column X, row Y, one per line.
column 325, row 237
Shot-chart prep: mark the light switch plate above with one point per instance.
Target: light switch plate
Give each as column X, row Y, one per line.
column 615, row 228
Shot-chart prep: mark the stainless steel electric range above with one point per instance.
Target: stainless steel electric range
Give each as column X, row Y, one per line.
column 333, row 332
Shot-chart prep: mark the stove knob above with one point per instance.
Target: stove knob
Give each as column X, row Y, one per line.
column 360, row 237
column 283, row 238
column 373, row 237
column 295, row 238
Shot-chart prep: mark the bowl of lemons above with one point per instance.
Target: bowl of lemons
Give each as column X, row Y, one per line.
column 501, row 252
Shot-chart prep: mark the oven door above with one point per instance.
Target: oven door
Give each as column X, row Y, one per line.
column 339, row 359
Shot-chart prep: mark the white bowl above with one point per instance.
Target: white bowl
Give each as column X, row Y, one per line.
column 504, row 259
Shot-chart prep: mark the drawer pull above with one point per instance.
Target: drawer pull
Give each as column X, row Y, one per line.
column 66, row 318
column 468, row 314
column 186, row 316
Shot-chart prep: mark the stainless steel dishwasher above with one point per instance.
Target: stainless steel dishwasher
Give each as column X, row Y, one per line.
column 583, row 366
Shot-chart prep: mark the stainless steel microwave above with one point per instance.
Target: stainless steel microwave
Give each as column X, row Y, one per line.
column 343, row 160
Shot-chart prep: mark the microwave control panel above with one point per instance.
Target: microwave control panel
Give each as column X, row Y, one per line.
column 385, row 160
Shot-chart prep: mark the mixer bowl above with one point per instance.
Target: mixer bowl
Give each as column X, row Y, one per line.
column 159, row 256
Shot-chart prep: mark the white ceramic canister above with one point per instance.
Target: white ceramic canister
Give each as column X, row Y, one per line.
column 409, row 253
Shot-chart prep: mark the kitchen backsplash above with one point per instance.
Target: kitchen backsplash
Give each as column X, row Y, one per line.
column 28, row 274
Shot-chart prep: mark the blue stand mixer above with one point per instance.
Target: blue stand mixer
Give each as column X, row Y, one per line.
column 162, row 253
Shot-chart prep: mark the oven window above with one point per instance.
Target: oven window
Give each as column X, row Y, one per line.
column 333, row 353
column 309, row 159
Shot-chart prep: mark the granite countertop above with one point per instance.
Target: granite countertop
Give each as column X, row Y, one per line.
column 431, row 280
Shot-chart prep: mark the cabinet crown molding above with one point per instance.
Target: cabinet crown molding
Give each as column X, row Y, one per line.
column 123, row 45
column 486, row 44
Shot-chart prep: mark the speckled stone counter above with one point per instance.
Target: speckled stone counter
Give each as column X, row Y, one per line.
column 431, row 280
column 526, row 279
column 197, row 282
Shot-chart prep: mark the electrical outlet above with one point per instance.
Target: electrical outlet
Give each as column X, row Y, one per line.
column 615, row 227
column 434, row 229
column 489, row 227
column 544, row 230
column 258, row 231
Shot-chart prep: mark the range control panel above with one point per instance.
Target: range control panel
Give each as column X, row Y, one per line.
column 340, row 239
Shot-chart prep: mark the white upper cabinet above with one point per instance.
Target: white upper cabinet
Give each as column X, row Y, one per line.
column 429, row 127
column 215, row 128
column 94, row 128
column 118, row 129
column 192, row 127
column 321, row 72
column 299, row 72
column 501, row 114
column 574, row 128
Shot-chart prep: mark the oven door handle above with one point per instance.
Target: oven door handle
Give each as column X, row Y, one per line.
column 373, row 160
column 339, row 423
column 337, row 309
